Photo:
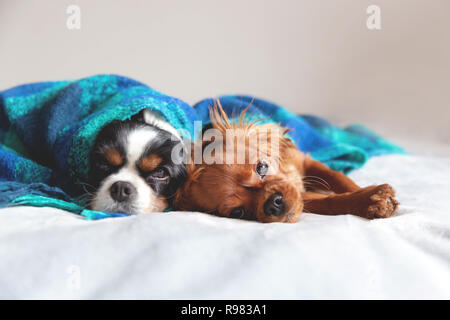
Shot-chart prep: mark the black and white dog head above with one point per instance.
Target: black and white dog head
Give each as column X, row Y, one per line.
column 136, row 165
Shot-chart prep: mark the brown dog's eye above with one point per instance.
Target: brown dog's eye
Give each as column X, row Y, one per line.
column 262, row 168
column 237, row 213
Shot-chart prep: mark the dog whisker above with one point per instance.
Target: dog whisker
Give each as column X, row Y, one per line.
column 319, row 178
column 315, row 179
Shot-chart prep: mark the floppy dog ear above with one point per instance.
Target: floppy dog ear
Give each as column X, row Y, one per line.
column 183, row 196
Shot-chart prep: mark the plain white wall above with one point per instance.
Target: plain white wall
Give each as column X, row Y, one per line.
column 312, row 56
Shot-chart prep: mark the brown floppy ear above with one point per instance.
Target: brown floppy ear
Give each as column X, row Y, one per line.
column 183, row 197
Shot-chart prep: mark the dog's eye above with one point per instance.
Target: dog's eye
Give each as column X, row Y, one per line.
column 262, row 168
column 237, row 213
column 159, row 174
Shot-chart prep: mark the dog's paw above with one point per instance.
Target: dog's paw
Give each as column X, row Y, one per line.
column 381, row 202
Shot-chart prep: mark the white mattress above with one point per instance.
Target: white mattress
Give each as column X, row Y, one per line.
column 48, row 253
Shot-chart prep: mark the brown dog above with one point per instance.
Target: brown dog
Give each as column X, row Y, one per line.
column 276, row 182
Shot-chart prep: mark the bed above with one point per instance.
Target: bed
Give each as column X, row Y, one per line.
column 49, row 253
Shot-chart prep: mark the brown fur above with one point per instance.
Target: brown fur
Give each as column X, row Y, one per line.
column 150, row 163
column 113, row 156
column 305, row 184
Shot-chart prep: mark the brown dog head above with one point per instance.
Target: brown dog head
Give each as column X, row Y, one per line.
column 246, row 170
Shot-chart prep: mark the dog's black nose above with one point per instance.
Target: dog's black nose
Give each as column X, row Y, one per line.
column 274, row 206
column 122, row 191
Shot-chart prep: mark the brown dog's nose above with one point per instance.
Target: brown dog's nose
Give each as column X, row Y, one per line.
column 122, row 191
column 274, row 206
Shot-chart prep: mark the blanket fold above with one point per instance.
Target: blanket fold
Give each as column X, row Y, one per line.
column 47, row 130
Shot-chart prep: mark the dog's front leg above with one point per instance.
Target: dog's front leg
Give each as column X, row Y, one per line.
column 370, row 202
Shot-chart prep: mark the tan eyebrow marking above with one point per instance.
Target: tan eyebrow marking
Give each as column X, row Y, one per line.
column 150, row 162
column 113, row 156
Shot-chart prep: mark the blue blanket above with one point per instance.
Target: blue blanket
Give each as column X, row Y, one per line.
column 47, row 130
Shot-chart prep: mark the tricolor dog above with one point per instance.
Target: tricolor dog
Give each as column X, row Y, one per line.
column 133, row 168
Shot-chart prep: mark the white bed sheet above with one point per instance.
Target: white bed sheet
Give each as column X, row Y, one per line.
column 48, row 253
